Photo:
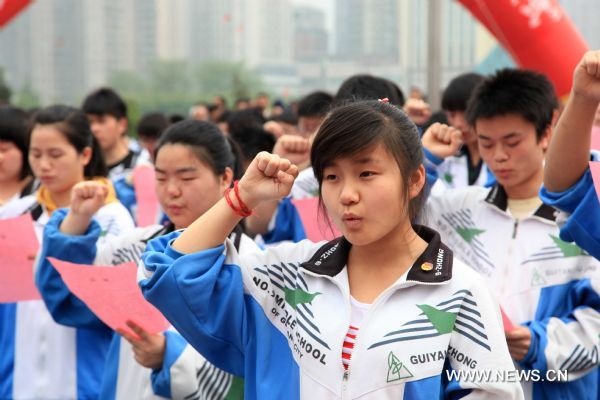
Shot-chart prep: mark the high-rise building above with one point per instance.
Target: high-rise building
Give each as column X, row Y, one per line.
column 348, row 29
column 310, row 37
column 173, row 29
column 367, row 30
column 69, row 47
column 216, row 30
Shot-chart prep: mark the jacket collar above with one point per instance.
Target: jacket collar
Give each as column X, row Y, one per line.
column 498, row 197
column 434, row 265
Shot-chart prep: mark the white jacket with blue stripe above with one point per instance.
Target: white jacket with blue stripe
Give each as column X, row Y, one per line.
column 278, row 317
column 542, row 282
column 41, row 359
column 184, row 373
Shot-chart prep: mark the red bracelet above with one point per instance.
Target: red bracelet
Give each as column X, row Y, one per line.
column 243, row 210
column 233, row 207
column 242, row 205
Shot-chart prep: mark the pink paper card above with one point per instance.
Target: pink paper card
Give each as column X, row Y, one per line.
column 18, row 248
column 595, row 169
column 315, row 225
column 112, row 294
column 145, row 195
column 595, row 138
column 508, row 325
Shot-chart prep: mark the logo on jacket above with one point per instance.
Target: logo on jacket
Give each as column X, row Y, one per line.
column 468, row 234
column 448, row 178
column 458, row 314
column 557, row 250
column 396, row 369
column 297, row 296
column 289, row 291
column 537, row 279
column 462, row 223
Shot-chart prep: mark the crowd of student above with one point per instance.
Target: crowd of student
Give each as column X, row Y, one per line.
column 450, row 224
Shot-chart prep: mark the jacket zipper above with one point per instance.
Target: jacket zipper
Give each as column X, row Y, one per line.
column 382, row 297
column 509, row 259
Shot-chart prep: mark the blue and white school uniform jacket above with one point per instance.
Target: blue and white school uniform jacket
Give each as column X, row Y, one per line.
column 41, row 359
column 279, row 318
column 19, row 203
column 579, row 219
column 184, row 373
column 542, row 282
column 453, row 172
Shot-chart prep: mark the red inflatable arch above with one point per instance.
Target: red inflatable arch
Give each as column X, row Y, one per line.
column 537, row 34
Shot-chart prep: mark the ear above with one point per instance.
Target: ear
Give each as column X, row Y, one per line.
column 546, row 136
column 226, row 179
column 417, row 182
column 122, row 124
column 86, row 156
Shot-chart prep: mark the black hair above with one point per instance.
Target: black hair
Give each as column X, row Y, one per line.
column 287, row 117
column 369, row 87
column 457, row 93
column 152, row 125
column 241, row 120
column 224, row 117
column 252, row 141
column 173, row 118
column 238, row 167
column 315, row 104
column 242, row 100
column 514, row 91
column 205, row 140
column 438, row 116
column 104, row 101
column 14, row 128
column 357, row 126
column 74, row 125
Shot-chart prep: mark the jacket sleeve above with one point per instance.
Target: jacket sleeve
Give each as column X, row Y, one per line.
column 201, row 296
column 568, row 342
column 212, row 297
column 431, row 163
column 581, row 213
column 64, row 306
column 478, row 346
column 186, row 374
column 285, row 225
column 126, row 194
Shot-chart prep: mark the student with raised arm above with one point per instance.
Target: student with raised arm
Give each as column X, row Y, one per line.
column 192, row 158
column 568, row 182
column 40, row 359
column 278, row 220
column 385, row 311
column 508, row 234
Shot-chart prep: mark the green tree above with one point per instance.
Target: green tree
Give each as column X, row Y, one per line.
column 174, row 86
column 27, row 98
column 233, row 80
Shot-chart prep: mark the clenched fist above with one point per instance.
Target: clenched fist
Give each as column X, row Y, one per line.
column 268, row 177
column 442, row 140
column 88, row 197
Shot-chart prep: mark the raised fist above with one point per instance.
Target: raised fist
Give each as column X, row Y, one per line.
column 586, row 78
column 294, row 148
column 442, row 140
column 88, row 197
column 268, row 177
